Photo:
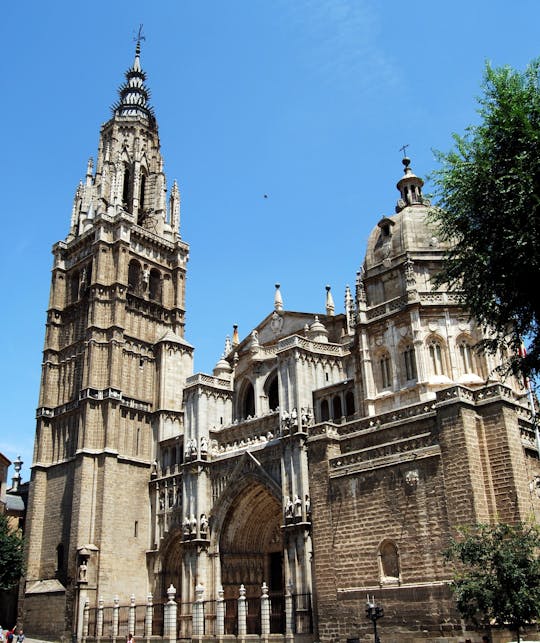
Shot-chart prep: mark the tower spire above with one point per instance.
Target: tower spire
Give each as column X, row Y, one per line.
column 134, row 95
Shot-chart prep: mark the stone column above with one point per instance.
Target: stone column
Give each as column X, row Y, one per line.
column 86, row 618
column 83, row 597
column 220, row 613
column 131, row 615
column 242, row 613
column 149, row 616
column 169, row 620
column 99, row 619
column 198, row 612
column 265, row 612
column 116, row 610
column 289, row 616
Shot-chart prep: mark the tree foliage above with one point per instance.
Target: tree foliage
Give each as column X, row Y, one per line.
column 11, row 555
column 488, row 190
column 498, row 574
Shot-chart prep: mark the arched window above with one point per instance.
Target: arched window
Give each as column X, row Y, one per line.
column 465, row 356
column 273, row 393
column 349, row 403
column 409, row 363
column 385, row 369
column 248, row 402
column 436, row 357
column 336, row 407
column 155, row 285
column 389, row 561
column 142, row 191
column 134, row 277
column 325, row 412
column 126, row 189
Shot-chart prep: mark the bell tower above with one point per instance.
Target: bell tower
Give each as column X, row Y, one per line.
column 114, row 366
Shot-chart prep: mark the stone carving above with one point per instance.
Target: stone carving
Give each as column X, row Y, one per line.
column 83, row 569
column 203, row 522
column 186, row 526
column 276, row 323
column 204, row 445
column 411, row 478
column 191, row 448
column 289, row 509
column 297, row 507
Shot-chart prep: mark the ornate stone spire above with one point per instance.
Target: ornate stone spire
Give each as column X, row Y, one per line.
column 330, row 307
column 133, row 94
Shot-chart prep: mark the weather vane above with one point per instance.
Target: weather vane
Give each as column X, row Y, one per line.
column 139, row 35
column 401, row 149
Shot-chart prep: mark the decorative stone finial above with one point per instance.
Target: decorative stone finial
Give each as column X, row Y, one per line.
column 330, row 307
column 278, row 301
column 235, row 340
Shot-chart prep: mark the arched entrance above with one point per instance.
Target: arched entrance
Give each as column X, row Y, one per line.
column 168, row 570
column 251, row 549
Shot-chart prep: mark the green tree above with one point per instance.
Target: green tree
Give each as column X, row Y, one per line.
column 11, row 555
column 488, row 191
column 497, row 574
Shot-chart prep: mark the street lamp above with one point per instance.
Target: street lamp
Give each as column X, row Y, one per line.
column 374, row 612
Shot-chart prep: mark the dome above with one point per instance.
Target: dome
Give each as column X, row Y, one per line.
column 317, row 331
column 222, row 368
column 409, row 230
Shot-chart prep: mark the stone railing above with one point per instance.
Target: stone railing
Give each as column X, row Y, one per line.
column 244, row 434
column 285, row 614
column 207, row 380
column 295, row 341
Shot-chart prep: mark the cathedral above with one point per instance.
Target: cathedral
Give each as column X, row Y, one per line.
column 328, row 456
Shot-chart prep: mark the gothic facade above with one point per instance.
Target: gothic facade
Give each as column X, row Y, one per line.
column 326, row 457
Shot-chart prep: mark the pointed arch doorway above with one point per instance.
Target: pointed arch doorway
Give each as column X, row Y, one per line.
column 251, row 552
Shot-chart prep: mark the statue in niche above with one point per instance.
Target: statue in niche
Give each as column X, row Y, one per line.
column 204, row 445
column 186, row 526
column 306, row 416
column 193, row 524
column 307, row 504
column 203, row 522
column 297, row 507
column 83, row 570
column 289, row 509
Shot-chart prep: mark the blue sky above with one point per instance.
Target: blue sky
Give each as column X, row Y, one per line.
column 307, row 101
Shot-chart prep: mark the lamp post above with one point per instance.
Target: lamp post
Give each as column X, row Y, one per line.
column 374, row 613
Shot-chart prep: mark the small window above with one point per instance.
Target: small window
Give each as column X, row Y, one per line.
column 409, row 359
column 126, row 189
column 336, row 407
column 248, row 404
column 466, row 357
column 155, row 285
column 349, row 403
column 385, row 371
column 135, row 277
column 325, row 412
column 136, row 529
column 436, row 358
